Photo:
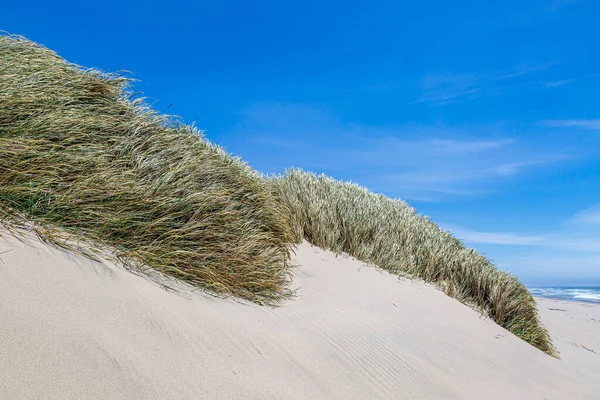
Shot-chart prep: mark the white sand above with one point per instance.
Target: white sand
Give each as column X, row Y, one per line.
column 71, row 328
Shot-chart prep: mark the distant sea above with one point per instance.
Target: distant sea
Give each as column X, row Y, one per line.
column 590, row 294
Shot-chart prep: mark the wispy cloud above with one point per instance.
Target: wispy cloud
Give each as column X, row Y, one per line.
column 458, row 147
column 439, row 88
column 568, row 240
column 591, row 216
column 591, row 124
column 512, row 168
column 411, row 161
column 547, row 268
column 542, row 259
column 551, row 84
column 591, row 244
column 558, row 4
column 502, row 238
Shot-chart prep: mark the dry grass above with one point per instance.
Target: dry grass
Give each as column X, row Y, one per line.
column 79, row 153
column 345, row 217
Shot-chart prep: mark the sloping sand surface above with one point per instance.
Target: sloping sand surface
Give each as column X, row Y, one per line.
column 575, row 329
column 72, row 328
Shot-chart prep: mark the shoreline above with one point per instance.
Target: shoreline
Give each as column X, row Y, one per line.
column 569, row 300
column 580, row 294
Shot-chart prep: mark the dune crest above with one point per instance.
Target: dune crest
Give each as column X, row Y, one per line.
column 84, row 155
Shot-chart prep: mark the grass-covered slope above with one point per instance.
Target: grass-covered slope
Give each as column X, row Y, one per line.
column 344, row 217
column 77, row 152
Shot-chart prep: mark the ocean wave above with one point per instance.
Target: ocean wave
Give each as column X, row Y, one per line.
column 583, row 294
column 588, row 296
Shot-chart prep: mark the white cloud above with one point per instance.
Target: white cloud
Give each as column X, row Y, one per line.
column 431, row 168
column 513, row 168
column 413, row 162
column 457, row 146
column 556, row 4
column 578, row 244
column 563, row 257
column 569, row 241
column 591, row 216
column 591, row 124
column 439, row 88
column 550, row 269
column 558, row 83
column 502, row 238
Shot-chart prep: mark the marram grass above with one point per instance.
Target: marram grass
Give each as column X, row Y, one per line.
column 78, row 152
column 80, row 155
column 344, row 217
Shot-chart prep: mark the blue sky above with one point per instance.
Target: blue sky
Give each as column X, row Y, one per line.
column 484, row 115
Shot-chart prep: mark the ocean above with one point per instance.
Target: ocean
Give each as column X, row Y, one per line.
column 590, row 294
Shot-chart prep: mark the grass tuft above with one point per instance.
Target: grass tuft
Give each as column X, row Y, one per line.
column 80, row 153
column 344, row 217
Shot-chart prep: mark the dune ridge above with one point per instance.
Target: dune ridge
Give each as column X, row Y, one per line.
column 83, row 157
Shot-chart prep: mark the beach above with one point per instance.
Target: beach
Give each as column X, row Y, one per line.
column 575, row 329
column 74, row 328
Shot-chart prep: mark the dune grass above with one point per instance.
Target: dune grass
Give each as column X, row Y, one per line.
column 80, row 153
column 344, row 217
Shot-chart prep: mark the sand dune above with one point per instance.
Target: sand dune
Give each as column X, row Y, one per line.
column 72, row 328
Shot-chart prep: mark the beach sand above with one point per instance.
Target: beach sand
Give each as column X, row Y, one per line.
column 73, row 328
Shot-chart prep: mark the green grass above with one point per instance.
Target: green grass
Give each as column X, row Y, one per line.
column 78, row 152
column 345, row 217
column 80, row 155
